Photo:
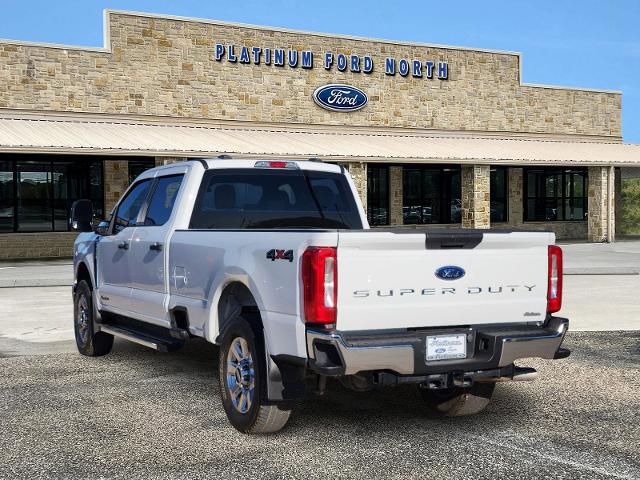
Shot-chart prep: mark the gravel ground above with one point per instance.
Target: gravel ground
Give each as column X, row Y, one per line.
column 140, row 414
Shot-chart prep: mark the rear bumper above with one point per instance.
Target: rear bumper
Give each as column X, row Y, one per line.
column 404, row 353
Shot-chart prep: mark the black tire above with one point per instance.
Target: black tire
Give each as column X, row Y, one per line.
column 456, row 401
column 246, row 409
column 88, row 341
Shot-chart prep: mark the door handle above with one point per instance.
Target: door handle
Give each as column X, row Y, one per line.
column 123, row 246
column 156, row 246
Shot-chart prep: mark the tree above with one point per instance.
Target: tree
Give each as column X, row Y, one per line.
column 630, row 211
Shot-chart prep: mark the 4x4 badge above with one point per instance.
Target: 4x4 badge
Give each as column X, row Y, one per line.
column 275, row 254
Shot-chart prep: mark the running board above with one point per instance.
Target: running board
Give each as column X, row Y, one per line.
column 137, row 337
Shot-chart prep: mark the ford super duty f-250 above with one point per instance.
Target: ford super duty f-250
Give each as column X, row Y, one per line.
column 274, row 262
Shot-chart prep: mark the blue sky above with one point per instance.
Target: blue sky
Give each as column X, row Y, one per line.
column 584, row 43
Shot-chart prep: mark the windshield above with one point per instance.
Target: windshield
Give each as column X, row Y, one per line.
column 262, row 198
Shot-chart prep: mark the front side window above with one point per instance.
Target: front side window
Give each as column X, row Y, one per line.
column 555, row 194
column 378, row 195
column 239, row 199
column 431, row 195
column 130, row 206
column 162, row 200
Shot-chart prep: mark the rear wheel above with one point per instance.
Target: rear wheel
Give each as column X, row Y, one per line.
column 456, row 401
column 242, row 377
column 88, row 341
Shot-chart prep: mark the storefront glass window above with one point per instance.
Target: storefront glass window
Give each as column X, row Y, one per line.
column 555, row 194
column 6, row 196
column 34, row 197
column 137, row 166
column 431, row 195
column 36, row 192
column 498, row 189
column 377, row 195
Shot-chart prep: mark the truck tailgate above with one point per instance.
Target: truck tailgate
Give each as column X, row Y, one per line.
column 388, row 280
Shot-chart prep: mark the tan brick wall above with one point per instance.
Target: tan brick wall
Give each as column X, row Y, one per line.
column 395, row 196
column 167, row 67
column 358, row 172
column 22, row 246
column 598, row 219
column 116, row 181
column 475, row 196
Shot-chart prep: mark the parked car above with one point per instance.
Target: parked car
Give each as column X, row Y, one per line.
column 275, row 263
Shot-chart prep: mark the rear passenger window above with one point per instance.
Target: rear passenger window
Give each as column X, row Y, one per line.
column 162, row 200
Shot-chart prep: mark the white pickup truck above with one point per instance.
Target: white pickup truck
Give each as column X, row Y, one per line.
column 274, row 262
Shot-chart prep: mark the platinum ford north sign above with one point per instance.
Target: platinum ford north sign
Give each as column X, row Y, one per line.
column 340, row 98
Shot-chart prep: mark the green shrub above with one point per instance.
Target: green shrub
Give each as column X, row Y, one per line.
column 630, row 211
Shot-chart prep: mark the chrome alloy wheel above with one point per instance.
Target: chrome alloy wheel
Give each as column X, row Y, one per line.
column 82, row 319
column 240, row 375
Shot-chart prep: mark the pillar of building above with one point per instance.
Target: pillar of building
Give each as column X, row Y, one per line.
column 358, row 172
column 618, row 201
column 395, row 196
column 601, row 193
column 475, row 196
column 116, row 181
column 515, row 185
column 160, row 161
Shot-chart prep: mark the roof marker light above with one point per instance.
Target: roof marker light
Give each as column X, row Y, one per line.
column 275, row 164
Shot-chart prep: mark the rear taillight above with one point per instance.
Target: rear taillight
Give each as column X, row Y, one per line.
column 320, row 284
column 554, row 285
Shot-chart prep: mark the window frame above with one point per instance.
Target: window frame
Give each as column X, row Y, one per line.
column 443, row 197
column 561, row 199
column 144, row 209
column 505, row 197
column 379, row 201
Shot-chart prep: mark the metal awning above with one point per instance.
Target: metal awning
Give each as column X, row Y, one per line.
column 121, row 137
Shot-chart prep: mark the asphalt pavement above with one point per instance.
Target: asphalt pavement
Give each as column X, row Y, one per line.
column 139, row 414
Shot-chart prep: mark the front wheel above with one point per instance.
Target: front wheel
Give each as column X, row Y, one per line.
column 242, row 377
column 88, row 341
column 457, row 401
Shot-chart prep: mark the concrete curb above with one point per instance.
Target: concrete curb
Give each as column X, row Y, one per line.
column 35, row 283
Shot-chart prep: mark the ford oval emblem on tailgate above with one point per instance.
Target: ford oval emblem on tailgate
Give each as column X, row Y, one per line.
column 340, row 98
column 450, row 272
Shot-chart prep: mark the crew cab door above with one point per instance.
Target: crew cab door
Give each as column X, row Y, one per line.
column 114, row 250
column 149, row 250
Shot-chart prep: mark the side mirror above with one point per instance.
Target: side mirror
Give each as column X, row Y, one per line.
column 81, row 216
column 103, row 228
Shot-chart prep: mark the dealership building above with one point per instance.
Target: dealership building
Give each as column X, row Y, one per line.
column 433, row 135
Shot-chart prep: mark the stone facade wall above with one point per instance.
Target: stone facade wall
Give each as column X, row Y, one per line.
column 598, row 219
column 116, row 181
column 22, row 246
column 167, row 67
column 358, row 172
column 395, row 196
column 475, row 196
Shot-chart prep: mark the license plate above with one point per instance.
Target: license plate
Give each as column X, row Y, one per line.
column 446, row 347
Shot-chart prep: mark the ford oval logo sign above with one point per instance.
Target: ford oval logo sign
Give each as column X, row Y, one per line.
column 340, row 98
column 450, row 272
